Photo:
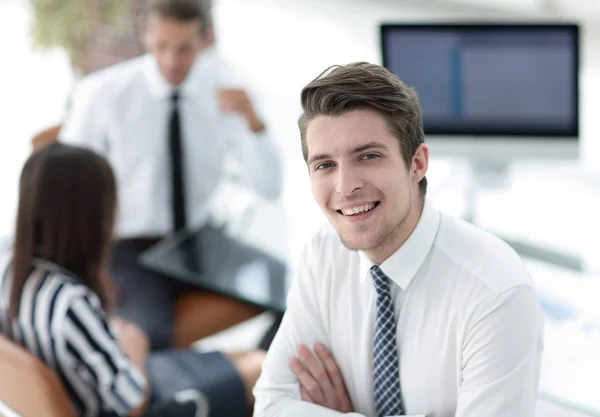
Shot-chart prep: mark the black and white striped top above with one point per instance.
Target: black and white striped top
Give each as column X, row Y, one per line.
column 61, row 321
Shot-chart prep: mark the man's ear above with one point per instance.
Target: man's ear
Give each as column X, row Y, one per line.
column 208, row 39
column 142, row 28
column 420, row 162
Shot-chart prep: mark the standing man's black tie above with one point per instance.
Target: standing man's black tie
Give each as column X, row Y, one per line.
column 177, row 168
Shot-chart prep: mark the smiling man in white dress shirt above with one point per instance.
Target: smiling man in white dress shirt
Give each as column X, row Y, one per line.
column 397, row 308
column 167, row 121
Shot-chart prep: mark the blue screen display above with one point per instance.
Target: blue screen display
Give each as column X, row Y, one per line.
column 489, row 79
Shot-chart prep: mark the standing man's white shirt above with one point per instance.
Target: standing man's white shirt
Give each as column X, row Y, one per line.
column 469, row 327
column 123, row 112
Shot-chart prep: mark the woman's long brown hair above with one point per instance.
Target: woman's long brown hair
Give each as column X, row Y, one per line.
column 66, row 212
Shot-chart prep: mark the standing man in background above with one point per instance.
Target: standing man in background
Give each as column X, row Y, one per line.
column 166, row 122
column 397, row 308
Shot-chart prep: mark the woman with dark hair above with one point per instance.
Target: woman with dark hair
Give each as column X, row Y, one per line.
column 53, row 301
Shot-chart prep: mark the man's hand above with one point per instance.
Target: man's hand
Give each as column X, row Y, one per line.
column 320, row 379
column 234, row 100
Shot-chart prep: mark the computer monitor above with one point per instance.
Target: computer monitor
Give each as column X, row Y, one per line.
column 493, row 91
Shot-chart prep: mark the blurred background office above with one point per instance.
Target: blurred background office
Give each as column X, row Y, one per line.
column 544, row 198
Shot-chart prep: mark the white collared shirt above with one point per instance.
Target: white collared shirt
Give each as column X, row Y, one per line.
column 123, row 113
column 469, row 326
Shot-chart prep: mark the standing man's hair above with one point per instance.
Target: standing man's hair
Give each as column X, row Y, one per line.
column 184, row 11
column 364, row 86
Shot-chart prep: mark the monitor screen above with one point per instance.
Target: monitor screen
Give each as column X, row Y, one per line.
column 489, row 79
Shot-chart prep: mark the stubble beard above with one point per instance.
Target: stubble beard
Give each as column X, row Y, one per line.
column 385, row 233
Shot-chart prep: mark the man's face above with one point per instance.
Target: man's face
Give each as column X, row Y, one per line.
column 360, row 180
column 175, row 46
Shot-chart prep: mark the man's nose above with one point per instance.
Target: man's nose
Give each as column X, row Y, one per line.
column 348, row 180
column 171, row 59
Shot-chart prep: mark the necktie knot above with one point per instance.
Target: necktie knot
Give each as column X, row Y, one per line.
column 380, row 281
column 175, row 97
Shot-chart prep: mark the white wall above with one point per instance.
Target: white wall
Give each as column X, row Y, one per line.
column 33, row 89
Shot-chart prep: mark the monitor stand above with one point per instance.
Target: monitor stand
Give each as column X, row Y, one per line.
column 486, row 174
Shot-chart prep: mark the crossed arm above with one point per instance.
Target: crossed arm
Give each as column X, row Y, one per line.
column 499, row 370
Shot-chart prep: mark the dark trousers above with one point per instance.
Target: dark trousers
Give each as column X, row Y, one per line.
column 212, row 374
column 144, row 298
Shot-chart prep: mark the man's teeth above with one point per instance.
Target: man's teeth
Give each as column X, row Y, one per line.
column 360, row 209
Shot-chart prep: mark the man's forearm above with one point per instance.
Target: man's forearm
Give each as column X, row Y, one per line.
column 297, row 408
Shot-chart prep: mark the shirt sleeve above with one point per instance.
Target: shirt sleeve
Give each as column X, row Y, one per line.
column 259, row 161
column 99, row 359
column 257, row 158
column 277, row 391
column 501, row 357
column 85, row 121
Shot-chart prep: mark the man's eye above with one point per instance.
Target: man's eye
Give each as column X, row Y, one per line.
column 369, row 156
column 324, row 165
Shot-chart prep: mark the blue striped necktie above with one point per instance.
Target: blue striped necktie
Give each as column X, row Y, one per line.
column 386, row 369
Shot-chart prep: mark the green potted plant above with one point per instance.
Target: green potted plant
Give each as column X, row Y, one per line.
column 70, row 24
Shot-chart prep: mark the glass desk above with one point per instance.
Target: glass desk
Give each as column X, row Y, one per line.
column 212, row 260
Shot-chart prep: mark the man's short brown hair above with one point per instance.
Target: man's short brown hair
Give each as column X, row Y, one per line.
column 184, row 11
column 363, row 86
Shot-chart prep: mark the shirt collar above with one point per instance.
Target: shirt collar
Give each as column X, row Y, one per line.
column 159, row 87
column 402, row 266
